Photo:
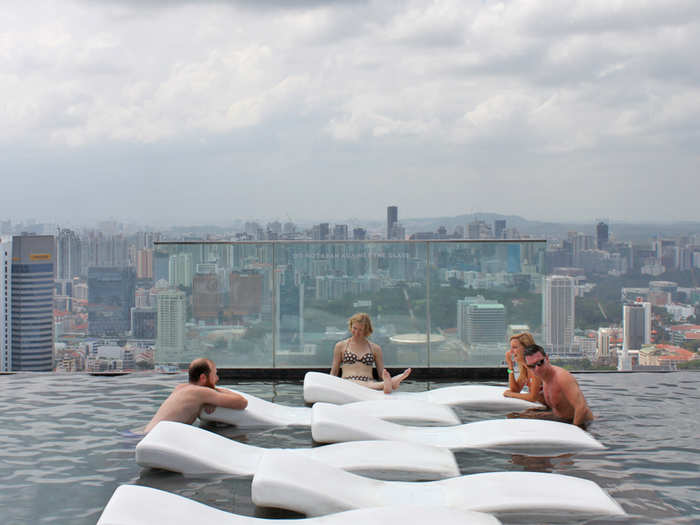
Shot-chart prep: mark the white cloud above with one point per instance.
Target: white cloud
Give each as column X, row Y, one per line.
column 384, row 80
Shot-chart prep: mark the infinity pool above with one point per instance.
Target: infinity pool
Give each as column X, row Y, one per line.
column 64, row 449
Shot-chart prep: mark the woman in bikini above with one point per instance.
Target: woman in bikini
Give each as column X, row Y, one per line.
column 526, row 378
column 356, row 356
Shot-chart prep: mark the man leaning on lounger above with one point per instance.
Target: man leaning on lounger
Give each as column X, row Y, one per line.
column 187, row 400
column 561, row 391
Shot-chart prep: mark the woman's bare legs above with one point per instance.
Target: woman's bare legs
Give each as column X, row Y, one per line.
column 392, row 383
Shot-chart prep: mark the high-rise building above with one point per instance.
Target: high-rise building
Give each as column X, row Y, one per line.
column 392, row 219
column 481, row 322
column 5, row 305
column 321, row 232
column 340, row 232
column 144, row 264
column 111, row 294
column 499, row 228
column 478, row 230
column 143, row 322
column 601, row 235
column 170, row 326
column 33, row 273
column 180, row 270
column 633, row 326
column 359, row 234
column 558, row 314
column 68, row 255
column 161, row 263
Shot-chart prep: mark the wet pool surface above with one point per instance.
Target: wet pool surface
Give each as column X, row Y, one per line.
column 65, row 445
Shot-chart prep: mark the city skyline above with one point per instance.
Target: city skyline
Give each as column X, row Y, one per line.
column 336, row 110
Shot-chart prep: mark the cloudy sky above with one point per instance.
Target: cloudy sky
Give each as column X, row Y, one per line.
column 185, row 112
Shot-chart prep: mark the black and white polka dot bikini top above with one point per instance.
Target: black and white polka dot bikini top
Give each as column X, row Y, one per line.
column 350, row 358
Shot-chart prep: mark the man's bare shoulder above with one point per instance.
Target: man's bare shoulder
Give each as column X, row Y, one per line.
column 564, row 376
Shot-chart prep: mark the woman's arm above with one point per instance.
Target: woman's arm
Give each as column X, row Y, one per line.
column 534, row 392
column 515, row 385
column 335, row 366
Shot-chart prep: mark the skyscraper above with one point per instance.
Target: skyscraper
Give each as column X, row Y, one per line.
column 499, row 228
column 392, row 218
column 558, row 314
column 601, row 235
column 481, row 323
column 144, row 264
column 68, row 255
column 111, row 294
column 5, row 305
column 170, row 326
column 33, row 274
column 633, row 326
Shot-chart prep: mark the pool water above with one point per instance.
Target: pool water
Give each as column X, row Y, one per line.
column 65, row 446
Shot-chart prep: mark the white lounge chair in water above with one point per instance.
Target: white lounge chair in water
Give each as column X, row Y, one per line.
column 136, row 505
column 300, row 484
column 333, row 423
column 261, row 413
column 331, row 389
column 194, row 451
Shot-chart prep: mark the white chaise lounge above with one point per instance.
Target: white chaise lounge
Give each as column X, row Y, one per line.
column 194, row 451
column 303, row 485
column 331, row 389
column 261, row 413
column 334, row 424
column 135, row 505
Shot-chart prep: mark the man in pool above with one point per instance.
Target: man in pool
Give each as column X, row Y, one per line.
column 187, row 400
column 561, row 391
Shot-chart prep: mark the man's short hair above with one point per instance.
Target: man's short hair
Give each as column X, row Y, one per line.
column 533, row 349
column 199, row 367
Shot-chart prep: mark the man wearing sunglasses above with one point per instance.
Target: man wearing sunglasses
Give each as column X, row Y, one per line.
column 561, row 391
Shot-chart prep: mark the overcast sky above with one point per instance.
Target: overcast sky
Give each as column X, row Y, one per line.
column 203, row 112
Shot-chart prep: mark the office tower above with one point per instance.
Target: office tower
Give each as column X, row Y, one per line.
column 633, row 326
column 485, row 324
column 180, row 270
column 478, row 230
column 340, row 232
column 499, row 228
column 111, row 294
column 359, row 234
column 145, row 240
column 68, row 255
column 558, row 313
column 143, row 322
column 601, row 235
column 161, row 264
column 246, row 293
column 321, row 232
column 32, row 284
column 170, row 325
column 144, row 264
column 5, row 305
column 481, row 321
column 206, row 297
column 392, row 218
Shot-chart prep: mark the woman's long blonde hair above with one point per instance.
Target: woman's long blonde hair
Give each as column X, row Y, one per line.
column 525, row 339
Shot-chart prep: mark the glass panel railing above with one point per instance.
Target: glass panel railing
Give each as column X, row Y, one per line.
column 481, row 293
column 286, row 303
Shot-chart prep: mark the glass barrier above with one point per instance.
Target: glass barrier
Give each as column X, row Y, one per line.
column 286, row 303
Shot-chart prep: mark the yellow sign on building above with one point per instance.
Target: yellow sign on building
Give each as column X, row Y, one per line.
column 40, row 257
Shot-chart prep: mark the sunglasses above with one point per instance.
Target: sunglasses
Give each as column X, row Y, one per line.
column 536, row 364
